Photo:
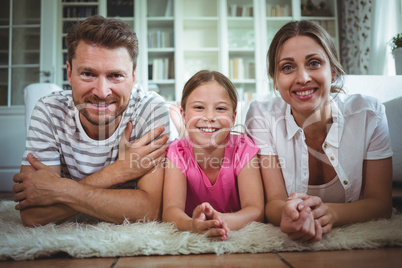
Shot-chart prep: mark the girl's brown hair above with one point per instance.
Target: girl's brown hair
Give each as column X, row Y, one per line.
column 206, row 76
column 310, row 29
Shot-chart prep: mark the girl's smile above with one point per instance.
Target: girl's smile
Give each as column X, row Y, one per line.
column 209, row 115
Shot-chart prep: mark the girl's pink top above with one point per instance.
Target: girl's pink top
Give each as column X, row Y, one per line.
column 224, row 194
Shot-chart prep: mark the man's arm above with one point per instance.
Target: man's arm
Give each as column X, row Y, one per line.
column 46, row 197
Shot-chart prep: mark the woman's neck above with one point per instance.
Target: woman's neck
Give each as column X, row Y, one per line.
column 316, row 125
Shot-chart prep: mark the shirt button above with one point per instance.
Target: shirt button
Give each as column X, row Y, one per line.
column 325, row 145
column 332, row 158
column 345, row 182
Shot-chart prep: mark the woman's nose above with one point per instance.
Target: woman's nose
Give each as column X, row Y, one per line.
column 303, row 76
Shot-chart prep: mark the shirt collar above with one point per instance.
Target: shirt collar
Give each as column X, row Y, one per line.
column 291, row 125
column 336, row 130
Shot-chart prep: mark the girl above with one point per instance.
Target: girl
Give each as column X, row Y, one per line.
column 212, row 178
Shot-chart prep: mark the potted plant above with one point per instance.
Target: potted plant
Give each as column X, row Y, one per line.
column 396, row 47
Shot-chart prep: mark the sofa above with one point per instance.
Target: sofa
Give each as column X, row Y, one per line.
column 388, row 89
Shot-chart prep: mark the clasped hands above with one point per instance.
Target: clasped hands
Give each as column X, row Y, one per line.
column 206, row 220
column 305, row 218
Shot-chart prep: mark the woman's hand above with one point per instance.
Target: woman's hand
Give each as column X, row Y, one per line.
column 320, row 210
column 299, row 224
column 206, row 220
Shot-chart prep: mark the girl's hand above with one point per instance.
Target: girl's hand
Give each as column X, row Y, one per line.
column 319, row 209
column 299, row 224
column 206, row 220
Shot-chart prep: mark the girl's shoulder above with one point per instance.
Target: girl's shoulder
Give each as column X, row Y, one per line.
column 179, row 146
column 242, row 142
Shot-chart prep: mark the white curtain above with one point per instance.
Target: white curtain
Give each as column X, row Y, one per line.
column 366, row 27
column 386, row 22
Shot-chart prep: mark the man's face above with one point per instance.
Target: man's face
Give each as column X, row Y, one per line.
column 101, row 80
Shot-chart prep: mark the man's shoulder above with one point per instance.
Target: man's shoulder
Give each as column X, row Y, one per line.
column 62, row 96
column 138, row 94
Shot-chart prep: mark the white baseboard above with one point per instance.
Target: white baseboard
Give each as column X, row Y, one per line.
column 6, row 179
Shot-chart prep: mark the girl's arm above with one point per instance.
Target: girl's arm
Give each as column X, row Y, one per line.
column 174, row 201
column 251, row 197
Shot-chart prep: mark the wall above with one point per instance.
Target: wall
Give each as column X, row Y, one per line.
column 12, row 144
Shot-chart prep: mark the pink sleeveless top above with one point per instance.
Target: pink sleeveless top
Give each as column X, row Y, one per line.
column 223, row 195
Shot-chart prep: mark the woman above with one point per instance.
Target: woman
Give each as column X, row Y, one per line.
column 325, row 156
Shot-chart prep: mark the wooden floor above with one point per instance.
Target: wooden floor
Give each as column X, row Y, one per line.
column 384, row 257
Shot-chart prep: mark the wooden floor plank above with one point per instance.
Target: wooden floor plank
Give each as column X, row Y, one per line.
column 65, row 262
column 384, row 257
column 206, row 260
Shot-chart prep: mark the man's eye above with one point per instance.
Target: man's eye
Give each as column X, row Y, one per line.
column 117, row 77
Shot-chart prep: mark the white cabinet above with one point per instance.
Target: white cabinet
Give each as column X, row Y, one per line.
column 180, row 37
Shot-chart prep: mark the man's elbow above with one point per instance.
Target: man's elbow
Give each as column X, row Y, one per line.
column 29, row 220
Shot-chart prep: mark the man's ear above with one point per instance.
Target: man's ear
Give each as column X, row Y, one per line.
column 134, row 74
column 68, row 67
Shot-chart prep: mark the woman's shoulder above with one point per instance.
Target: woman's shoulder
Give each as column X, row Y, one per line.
column 355, row 103
column 275, row 105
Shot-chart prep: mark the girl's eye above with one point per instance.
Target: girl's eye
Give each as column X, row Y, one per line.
column 221, row 108
column 198, row 107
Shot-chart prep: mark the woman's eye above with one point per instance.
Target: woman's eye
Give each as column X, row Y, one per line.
column 286, row 68
column 315, row 63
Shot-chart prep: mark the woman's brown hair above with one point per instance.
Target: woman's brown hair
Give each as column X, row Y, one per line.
column 313, row 30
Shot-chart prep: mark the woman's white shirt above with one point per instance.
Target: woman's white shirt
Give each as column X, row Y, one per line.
column 359, row 131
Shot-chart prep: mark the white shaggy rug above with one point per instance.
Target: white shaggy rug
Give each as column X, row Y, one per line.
column 86, row 237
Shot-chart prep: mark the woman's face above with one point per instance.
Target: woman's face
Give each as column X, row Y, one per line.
column 304, row 75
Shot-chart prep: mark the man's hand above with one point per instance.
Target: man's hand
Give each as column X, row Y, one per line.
column 137, row 158
column 35, row 188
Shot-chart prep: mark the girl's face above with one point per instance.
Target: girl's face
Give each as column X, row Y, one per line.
column 304, row 75
column 209, row 115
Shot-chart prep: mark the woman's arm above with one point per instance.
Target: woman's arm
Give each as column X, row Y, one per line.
column 376, row 200
column 282, row 211
column 251, row 197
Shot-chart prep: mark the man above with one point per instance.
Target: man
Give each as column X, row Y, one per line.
column 95, row 149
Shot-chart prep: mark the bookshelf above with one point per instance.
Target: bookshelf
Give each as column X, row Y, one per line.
column 180, row 37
